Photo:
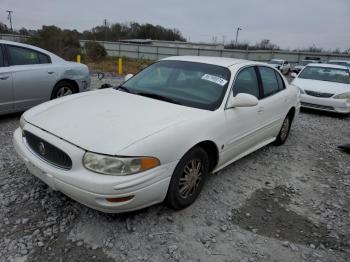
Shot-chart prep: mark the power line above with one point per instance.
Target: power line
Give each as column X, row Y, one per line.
column 9, row 17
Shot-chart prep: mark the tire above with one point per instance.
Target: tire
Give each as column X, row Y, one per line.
column 284, row 132
column 62, row 89
column 186, row 176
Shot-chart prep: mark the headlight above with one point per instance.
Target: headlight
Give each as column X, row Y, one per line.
column 343, row 96
column 21, row 122
column 118, row 166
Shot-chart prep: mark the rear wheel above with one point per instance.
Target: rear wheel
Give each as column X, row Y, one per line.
column 188, row 179
column 284, row 132
column 62, row 89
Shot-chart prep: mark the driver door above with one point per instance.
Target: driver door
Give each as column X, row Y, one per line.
column 243, row 123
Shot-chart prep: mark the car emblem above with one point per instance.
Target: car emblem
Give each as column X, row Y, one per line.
column 41, row 147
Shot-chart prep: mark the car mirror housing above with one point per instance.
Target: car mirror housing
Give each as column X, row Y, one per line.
column 127, row 77
column 242, row 100
column 293, row 75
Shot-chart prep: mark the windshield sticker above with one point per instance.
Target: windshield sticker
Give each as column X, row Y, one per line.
column 215, row 79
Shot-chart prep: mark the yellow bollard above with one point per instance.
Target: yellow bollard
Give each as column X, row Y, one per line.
column 120, row 66
column 78, row 59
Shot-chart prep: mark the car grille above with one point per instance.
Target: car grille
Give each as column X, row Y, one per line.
column 318, row 94
column 317, row 106
column 48, row 152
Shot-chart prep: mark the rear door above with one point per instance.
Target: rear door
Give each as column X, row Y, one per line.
column 6, row 88
column 273, row 105
column 33, row 76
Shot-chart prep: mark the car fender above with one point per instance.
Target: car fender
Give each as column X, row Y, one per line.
column 183, row 136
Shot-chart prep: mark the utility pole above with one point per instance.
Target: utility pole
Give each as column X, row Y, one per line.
column 238, row 29
column 105, row 24
column 9, row 17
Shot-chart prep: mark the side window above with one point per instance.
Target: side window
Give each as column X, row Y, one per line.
column 44, row 59
column 246, row 82
column 269, row 81
column 280, row 81
column 23, row 56
column 2, row 62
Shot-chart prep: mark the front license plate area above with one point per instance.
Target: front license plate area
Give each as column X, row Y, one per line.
column 43, row 176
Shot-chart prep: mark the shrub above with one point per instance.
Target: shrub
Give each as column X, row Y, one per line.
column 63, row 43
column 95, row 51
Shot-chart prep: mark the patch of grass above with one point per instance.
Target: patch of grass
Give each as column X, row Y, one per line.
column 110, row 64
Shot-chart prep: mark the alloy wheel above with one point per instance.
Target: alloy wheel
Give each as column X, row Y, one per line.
column 285, row 128
column 190, row 178
column 64, row 91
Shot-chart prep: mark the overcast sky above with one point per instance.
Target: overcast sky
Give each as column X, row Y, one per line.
column 287, row 23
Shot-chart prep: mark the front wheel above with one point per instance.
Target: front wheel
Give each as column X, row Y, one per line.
column 284, row 132
column 188, row 179
column 62, row 89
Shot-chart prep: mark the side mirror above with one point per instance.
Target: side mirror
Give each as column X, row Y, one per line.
column 242, row 100
column 127, row 77
column 293, row 75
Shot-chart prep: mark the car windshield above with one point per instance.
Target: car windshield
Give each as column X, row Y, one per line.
column 275, row 62
column 326, row 74
column 187, row 83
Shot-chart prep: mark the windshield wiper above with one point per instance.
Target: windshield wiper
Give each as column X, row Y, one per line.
column 159, row 97
column 123, row 88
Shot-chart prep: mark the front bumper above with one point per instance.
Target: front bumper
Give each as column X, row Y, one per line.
column 341, row 106
column 92, row 189
column 84, row 83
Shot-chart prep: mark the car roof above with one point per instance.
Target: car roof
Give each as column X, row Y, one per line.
column 328, row 65
column 220, row 61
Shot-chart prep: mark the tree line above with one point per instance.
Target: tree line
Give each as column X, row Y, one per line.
column 113, row 32
column 65, row 42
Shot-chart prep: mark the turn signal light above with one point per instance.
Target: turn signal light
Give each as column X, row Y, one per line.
column 119, row 199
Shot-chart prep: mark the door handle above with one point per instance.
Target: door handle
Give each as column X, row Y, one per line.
column 261, row 109
column 50, row 72
column 4, row 77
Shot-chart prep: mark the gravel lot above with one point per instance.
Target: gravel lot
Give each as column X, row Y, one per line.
column 287, row 203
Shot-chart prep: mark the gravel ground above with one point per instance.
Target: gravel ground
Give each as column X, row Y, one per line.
column 287, row 203
column 107, row 79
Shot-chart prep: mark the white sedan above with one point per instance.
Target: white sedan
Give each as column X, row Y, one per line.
column 30, row 75
column 324, row 87
column 157, row 136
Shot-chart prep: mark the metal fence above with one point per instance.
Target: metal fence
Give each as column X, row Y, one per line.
column 120, row 49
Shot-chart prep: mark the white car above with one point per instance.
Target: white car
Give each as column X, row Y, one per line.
column 30, row 75
column 157, row 136
column 340, row 62
column 324, row 87
column 281, row 65
column 302, row 64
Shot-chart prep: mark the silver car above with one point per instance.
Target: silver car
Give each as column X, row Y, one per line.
column 30, row 75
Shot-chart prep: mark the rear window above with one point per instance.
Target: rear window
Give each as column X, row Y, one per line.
column 326, row 74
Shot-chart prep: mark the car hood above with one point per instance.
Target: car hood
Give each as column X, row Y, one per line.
column 321, row 86
column 107, row 121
